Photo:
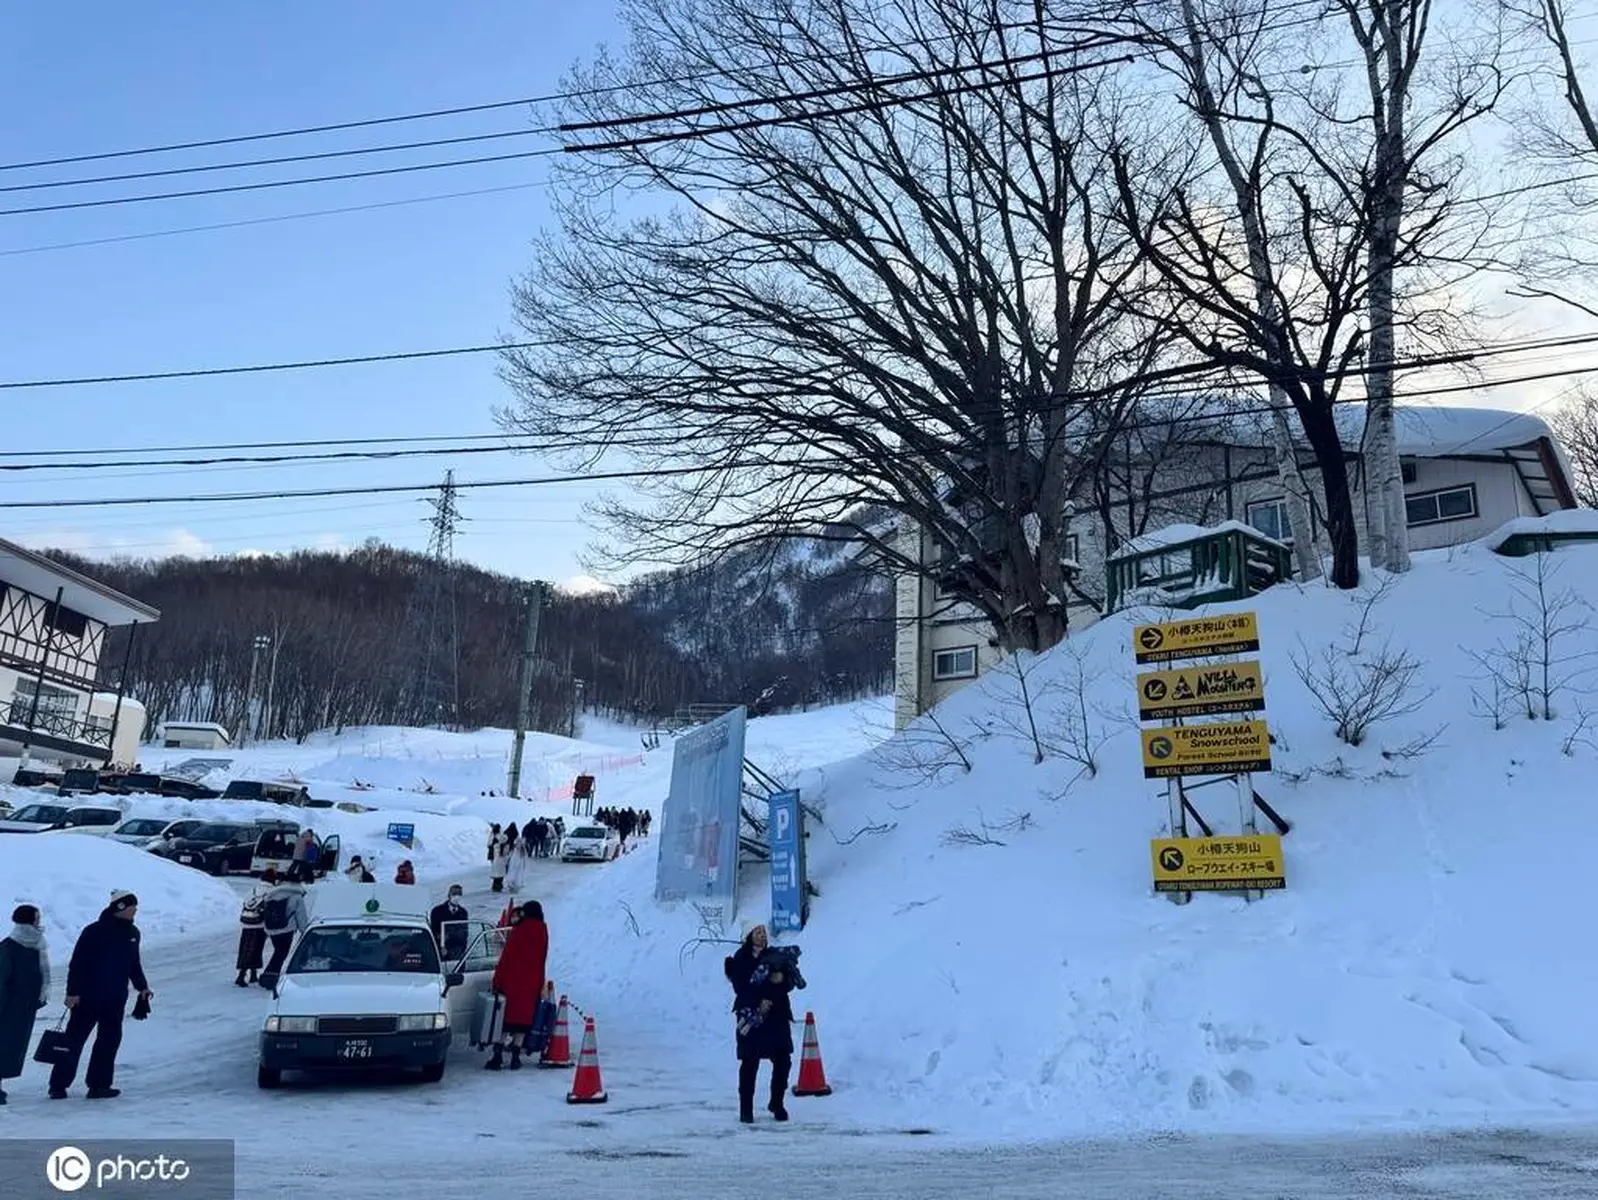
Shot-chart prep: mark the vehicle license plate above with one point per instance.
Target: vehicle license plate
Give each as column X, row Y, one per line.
column 356, row 1048
column 185, row 858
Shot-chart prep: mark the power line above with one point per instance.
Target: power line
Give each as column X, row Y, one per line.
column 264, row 368
column 300, row 216
column 281, row 160
column 229, row 189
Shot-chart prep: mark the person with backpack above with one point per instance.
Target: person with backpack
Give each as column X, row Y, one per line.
column 252, row 934
column 283, row 915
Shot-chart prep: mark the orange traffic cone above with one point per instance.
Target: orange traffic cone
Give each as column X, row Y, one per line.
column 812, row 1075
column 587, row 1087
column 559, row 1051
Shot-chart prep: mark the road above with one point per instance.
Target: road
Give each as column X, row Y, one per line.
column 189, row 1072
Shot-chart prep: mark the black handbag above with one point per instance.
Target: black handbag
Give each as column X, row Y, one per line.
column 53, row 1044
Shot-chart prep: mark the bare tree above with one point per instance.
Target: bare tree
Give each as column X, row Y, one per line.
column 1356, row 695
column 1576, row 424
column 1295, row 243
column 913, row 300
column 1543, row 659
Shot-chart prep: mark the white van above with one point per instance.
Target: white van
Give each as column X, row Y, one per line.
column 366, row 988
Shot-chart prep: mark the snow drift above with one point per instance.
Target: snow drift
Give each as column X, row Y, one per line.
column 987, row 956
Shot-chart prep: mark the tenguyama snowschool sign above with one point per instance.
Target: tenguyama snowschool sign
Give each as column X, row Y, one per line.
column 699, row 823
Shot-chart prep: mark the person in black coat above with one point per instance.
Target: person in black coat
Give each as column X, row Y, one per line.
column 24, row 982
column 104, row 963
column 765, row 1024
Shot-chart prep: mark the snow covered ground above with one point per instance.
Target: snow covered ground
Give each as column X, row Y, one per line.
column 988, row 962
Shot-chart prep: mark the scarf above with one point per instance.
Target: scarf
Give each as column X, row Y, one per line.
column 32, row 937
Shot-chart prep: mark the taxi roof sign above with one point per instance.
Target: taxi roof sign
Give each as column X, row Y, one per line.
column 1230, row 633
column 342, row 898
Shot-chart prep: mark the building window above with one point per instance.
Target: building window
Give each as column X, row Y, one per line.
column 53, row 701
column 1270, row 518
column 64, row 620
column 1073, row 548
column 958, row 663
column 1407, row 470
column 1449, row 504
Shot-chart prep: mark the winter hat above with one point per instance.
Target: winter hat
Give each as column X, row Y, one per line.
column 751, row 926
column 121, row 901
column 25, row 914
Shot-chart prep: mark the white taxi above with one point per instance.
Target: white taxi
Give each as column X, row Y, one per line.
column 365, row 987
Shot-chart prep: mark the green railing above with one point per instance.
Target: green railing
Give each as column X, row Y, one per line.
column 1225, row 564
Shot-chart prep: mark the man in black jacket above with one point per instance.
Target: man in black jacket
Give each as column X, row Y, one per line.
column 448, row 922
column 104, row 963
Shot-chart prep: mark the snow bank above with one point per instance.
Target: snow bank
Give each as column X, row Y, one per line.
column 71, row 877
column 987, row 955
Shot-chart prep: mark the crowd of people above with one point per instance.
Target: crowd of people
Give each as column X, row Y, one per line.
column 511, row 849
column 625, row 821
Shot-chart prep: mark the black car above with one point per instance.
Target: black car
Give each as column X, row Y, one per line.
column 187, row 789
column 218, row 847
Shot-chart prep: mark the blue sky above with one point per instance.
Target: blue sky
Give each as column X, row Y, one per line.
column 80, row 79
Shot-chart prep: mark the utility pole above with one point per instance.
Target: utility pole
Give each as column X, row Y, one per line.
column 535, row 605
column 271, row 679
column 261, row 642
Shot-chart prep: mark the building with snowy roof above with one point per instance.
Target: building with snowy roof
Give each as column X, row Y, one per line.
column 1466, row 471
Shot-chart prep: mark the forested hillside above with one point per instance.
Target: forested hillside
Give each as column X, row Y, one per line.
column 772, row 629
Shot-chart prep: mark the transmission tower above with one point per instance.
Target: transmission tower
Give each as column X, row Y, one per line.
column 435, row 629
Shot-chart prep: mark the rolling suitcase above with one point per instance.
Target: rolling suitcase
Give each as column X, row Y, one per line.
column 488, row 1020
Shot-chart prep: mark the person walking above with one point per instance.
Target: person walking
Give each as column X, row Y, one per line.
column 357, row 871
column 105, row 962
column 448, row 922
column 519, row 978
column 764, row 1023
column 284, row 915
column 498, row 860
column 252, row 938
column 521, row 854
column 300, row 862
column 24, row 988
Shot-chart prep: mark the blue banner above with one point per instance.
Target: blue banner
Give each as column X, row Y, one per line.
column 403, row 834
column 785, row 832
column 699, row 821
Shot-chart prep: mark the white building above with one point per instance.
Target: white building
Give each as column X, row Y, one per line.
column 1466, row 472
column 195, row 735
column 53, row 627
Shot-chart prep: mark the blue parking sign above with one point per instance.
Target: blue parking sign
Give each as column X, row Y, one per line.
column 785, row 833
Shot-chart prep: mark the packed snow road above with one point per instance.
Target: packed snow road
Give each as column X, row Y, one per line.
column 189, row 1072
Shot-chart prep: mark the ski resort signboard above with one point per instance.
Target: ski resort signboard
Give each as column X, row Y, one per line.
column 1223, row 748
column 1201, row 691
column 1234, row 633
column 1252, row 862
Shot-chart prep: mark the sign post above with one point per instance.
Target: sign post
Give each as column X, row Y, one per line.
column 1235, row 749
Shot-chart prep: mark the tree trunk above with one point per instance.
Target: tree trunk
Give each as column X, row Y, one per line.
column 1320, row 428
column 1306, row 535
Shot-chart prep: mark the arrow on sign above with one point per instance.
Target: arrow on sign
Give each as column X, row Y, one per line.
column 1160, row 747
column 1154, row 689
column 1171, row 859
column 1151, row 639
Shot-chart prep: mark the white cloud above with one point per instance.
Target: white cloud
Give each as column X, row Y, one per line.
column 175, row 543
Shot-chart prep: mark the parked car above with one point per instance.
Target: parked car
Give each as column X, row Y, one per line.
column 35, row 818
column 32, row 777
column 97, row 819
column 275, row 849
column 217, row 847
column 274, row 793
column 591, row 843
column 139, row 831
column 175, row 829
column 148, row 783
column 186, row 789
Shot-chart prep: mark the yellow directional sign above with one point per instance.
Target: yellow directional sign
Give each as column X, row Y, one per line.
column 1226, row 748
column 1201, row 691
column 1234, row 633
column 1248, row 862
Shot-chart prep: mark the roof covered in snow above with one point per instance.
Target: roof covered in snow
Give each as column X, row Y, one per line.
column 1180, row 534
column 1570, row 520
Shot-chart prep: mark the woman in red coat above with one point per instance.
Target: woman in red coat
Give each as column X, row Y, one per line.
column 519, row 978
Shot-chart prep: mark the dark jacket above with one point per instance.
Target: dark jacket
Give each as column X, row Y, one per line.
column 20, row 984
column 441, row 915
column 104, row 962
column 771, row 1037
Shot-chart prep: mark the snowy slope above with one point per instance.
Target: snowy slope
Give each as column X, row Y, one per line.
column 1425, row 964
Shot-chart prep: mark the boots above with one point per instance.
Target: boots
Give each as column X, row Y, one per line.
column 779, row 1089
column 239, row 982
column 497, row 1063
column 515, row 1058
column 746, row 1091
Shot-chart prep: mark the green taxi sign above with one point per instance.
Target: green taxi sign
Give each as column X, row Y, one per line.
column 372, row 905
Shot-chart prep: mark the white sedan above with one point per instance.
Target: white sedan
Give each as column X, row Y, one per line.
column 591, row 843
column 138, row 831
